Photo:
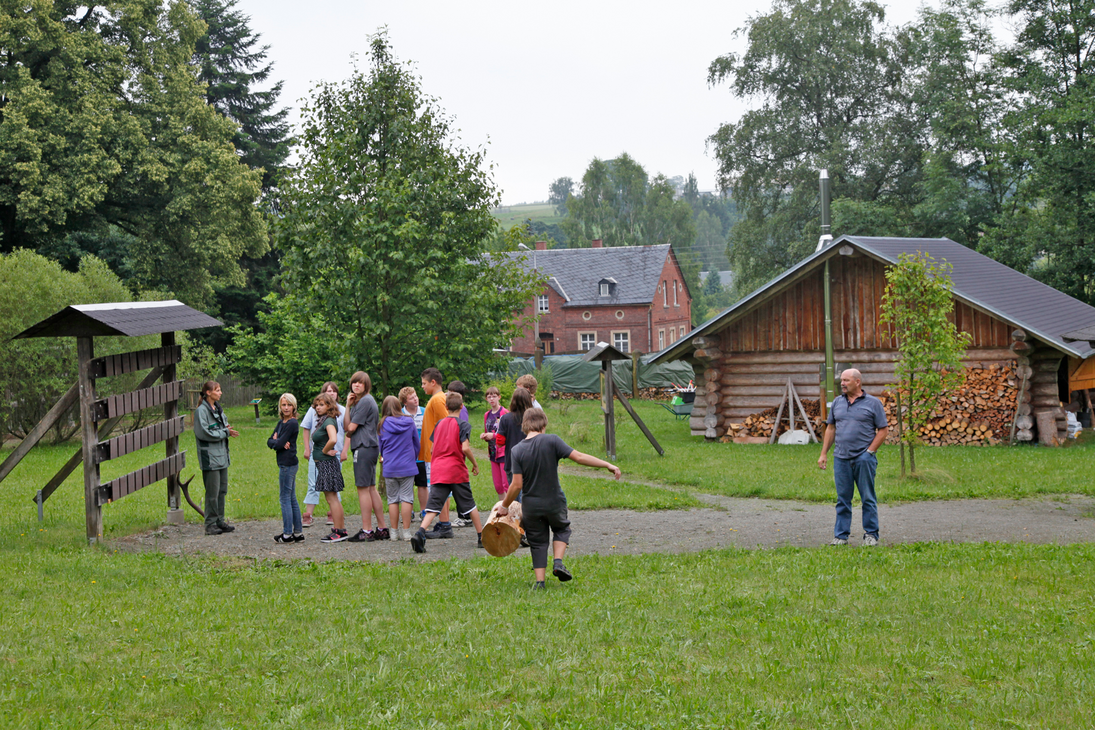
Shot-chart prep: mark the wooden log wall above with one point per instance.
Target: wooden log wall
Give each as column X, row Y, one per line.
column 707, row 419
column 1039, row 413
column 794, row 319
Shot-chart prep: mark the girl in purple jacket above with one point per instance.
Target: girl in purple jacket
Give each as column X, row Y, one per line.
column 399, row 444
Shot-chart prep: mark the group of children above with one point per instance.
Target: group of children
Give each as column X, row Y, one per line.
column 427, row 449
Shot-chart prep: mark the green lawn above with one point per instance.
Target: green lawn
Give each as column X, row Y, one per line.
column 939, row 636
column 791, row 472
column 252, row 491
column 910, row 636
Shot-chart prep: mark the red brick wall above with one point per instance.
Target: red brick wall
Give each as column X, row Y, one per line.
column 641, row 321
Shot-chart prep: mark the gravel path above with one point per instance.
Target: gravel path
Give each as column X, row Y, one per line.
column 746, row 523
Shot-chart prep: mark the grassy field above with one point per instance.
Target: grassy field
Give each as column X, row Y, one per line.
column 510, row 215
column 923, row 636
column 911, row 636
column 791, row 472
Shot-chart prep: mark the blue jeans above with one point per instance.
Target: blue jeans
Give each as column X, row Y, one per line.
column 849, row 474
column 287, row 493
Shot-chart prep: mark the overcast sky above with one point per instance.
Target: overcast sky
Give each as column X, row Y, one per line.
column 544, row 87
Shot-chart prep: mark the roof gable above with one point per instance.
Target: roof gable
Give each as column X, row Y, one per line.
column 984, row 283
column 577, row 272
column 127, row 319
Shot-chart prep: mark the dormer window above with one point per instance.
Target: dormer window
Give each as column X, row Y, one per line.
column 607, row 288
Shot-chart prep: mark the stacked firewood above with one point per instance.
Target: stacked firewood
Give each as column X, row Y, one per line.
column 659, row 394
column 760, row 424
column 979, row 412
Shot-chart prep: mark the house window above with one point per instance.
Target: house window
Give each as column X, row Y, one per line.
column 604, row 289
column 661, row 339
column 675, row 304
column 672, row 335
column 665, row 295
column 542, row 303
column 622, row 341
column 586, row 340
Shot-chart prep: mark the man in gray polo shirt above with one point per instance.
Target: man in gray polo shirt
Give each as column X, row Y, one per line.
column 857, row 423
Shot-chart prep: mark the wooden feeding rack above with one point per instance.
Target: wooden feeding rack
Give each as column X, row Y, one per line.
column 99, row 416
column 606, row 354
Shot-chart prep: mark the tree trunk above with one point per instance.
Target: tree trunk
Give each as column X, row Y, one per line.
column 502, row 533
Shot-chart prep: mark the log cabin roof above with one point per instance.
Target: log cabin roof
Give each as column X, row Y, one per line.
column 126, row 319
column 981, row 282
column 575, row 273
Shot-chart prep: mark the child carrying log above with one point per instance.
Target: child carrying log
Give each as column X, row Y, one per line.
column 544, row 506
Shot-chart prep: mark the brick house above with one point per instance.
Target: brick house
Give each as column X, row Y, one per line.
column 633, row 297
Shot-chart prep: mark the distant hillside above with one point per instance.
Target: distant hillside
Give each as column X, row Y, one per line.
column 511, row 215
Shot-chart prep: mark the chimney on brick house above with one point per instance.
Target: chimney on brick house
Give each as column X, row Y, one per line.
column 541, row 245
column 597, row 243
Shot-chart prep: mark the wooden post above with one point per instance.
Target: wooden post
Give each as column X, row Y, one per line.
column 106, row 429
column 60, row 408
column 635, row 374
column 85, row 351
column 610, row 414
column 171, row 446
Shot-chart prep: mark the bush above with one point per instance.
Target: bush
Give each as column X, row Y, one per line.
column 36, row 372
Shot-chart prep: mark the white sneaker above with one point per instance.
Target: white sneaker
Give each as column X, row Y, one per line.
column 869, row 541
column 839, row 541
column 460, row 522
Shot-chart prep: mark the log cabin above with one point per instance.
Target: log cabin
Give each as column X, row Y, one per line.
column 744, row 357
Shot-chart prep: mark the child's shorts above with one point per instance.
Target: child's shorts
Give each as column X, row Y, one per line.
column 439, row 496
column 400, row 489
column 365, row 467
column 421, row 479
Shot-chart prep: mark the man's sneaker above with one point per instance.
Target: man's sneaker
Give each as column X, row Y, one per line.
column 225, row 527
column 869, row 541
column 307, row 521
column 362, row 536
column 335, row 536
column 442, row 533
column 839, row 541
column 560, row 571
column 418, row 541
column 214, row 530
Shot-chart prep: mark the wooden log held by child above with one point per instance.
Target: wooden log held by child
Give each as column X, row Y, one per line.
column 502, row 533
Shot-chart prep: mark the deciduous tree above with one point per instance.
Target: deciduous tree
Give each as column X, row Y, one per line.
column 916, row 305
column 384, row 228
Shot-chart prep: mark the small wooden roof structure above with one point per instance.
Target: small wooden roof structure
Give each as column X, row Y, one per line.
column 125, row 319
column 604, row 352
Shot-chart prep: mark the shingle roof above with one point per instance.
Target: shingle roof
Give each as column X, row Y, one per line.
column 577, row 271
column 129, row 319
column 1041, row 310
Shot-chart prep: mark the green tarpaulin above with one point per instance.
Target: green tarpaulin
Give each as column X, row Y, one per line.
column 570, row 374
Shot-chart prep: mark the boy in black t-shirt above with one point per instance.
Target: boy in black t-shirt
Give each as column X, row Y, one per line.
column 543, row 505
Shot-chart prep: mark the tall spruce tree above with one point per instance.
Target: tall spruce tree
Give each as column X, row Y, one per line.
column 232, row 65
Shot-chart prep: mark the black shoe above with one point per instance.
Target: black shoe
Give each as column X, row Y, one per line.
column 539, row 586
column 299, row 537
column 225, row 527
column 445, row 533
column 560, row 571
column 524, row 542
column 418, row 541
column 479, row 540
column 214, row 530
column 283, row 539
column 362, row 536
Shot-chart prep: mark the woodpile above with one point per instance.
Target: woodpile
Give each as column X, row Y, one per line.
column 760, row 424
column 979, row 412
column 658, row 394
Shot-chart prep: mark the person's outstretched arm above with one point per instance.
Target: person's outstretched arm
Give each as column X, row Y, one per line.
column 587, row 460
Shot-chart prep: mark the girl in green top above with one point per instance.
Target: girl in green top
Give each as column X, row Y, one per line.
column 328, row 466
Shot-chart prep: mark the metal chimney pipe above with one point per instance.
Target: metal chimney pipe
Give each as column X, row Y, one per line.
column 826, row 218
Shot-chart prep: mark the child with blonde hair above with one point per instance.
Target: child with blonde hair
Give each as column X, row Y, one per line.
column 284, row 443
